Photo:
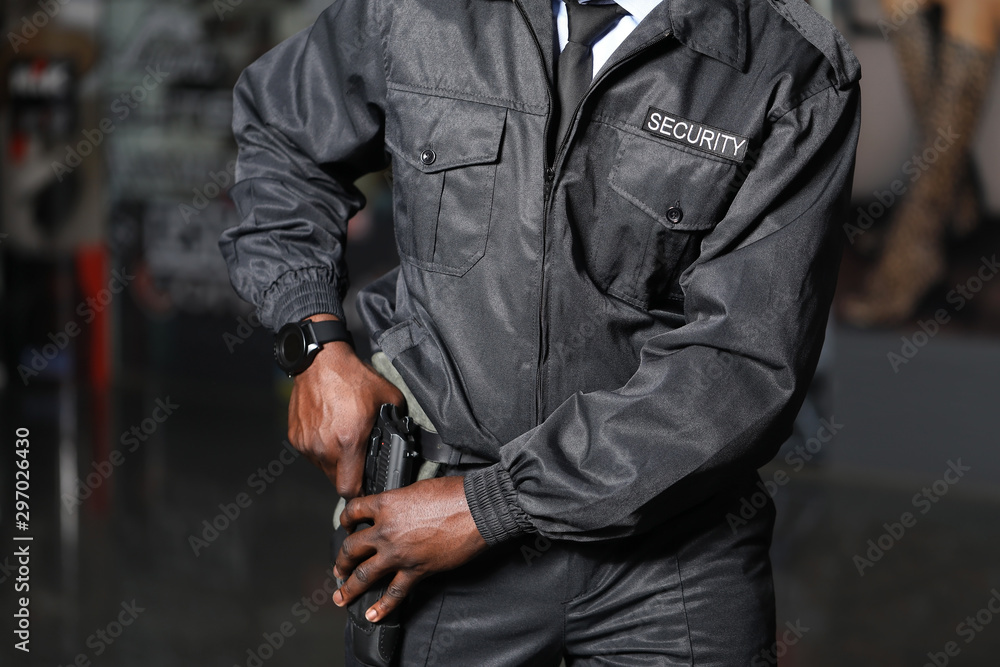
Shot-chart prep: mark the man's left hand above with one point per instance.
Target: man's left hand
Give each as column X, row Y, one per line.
column 416, row 531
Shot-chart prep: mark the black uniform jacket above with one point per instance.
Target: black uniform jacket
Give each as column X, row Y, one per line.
column 627, row 322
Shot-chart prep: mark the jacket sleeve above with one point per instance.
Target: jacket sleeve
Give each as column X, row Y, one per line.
column 713, row 398
column 308, row 120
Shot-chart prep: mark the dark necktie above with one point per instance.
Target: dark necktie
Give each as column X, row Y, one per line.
column 587, row 24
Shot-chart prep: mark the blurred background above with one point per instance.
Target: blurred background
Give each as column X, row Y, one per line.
column 170, row 523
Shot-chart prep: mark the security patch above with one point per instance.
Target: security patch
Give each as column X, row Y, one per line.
column 703, row 137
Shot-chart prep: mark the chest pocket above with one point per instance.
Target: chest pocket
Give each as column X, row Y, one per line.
column 444, row 169
column 660, row 203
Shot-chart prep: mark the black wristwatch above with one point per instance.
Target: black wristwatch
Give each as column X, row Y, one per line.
column 297, row 343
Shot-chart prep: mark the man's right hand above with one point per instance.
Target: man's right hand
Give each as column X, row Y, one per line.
column 332, row 410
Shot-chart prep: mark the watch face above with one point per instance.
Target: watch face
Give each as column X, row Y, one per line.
column 290, row 348
column 293, row 347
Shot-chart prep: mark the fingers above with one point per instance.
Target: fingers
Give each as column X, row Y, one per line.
column 386, row 391
column 320, row 461
column 349, row 472
column 356, row 549
column 363, row 508
column 394, row 396
column 365, row 576
column 395, row 592
column 317, row 452
column 362, row 578
column 329, row 470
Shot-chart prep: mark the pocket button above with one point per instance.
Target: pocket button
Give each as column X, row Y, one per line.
column 428, row 156
column 675, row 214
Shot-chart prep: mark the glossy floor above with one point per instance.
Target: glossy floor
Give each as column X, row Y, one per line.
column 156, row 568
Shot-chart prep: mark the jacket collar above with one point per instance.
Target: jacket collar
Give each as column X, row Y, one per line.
column 715, row 28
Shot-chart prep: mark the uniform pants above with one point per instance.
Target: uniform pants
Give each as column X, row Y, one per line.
column 695, row 591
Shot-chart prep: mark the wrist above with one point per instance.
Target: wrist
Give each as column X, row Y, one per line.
column 297, row 344
column 335, row 349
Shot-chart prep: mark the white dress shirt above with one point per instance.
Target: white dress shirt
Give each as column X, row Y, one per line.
column 605, row 46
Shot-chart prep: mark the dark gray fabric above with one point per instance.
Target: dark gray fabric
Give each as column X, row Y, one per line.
column 700, row 594
column 497, row 513
column 625, row 330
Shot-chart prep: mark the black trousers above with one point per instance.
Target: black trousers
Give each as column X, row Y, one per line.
column 692, row 592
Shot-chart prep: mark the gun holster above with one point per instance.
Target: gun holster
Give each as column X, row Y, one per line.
column 390, row 463
column 401, row 450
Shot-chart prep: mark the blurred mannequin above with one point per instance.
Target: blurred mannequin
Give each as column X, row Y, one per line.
column 947, row 79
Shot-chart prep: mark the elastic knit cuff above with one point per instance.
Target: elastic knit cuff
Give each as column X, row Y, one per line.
column 492, row 501
column 306, row 298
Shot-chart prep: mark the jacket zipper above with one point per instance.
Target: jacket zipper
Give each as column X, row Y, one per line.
column 547, row 192
column 550, row 173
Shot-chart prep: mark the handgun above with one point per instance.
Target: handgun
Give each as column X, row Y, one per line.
column 390, row 463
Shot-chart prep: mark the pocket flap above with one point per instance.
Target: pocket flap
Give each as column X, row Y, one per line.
column 437, row 133
column 656, row 178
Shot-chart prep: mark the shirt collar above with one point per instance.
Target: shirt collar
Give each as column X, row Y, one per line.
column 715, row 28
column 638, row 8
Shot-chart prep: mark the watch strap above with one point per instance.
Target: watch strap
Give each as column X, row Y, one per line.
column 330, row 331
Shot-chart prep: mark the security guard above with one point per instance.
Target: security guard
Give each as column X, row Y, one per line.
column 618, row 231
